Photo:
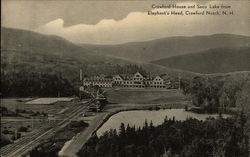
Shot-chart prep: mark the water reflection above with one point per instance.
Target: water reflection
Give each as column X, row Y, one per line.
column 138, row 118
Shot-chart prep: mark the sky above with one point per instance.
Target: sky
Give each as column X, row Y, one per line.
column 117, row 22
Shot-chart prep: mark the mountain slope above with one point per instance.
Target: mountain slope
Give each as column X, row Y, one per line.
column 35, row 43
column 26, row 54
column 167, row 47
column 33, row 64
column 29, row 51
column 219, row 60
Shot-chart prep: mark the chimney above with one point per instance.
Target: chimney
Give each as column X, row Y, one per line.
column 80, row 74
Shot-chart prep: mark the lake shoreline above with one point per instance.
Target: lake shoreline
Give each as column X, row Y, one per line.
column 179, row 113
column 99, row 119
column 142, row 108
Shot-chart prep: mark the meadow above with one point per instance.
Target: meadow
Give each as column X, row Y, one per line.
column 145, row 96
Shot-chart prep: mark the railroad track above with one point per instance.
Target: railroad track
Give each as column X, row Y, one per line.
column 24, row 144
column 48, row 130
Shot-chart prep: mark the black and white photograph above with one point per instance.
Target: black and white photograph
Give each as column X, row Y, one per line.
column 125, row 78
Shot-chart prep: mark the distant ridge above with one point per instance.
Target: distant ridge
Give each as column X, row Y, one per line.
column 35, row 43
column 218, row 60
column 168, row 47
column 27, row 51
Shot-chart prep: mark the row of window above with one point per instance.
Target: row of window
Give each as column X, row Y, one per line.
column 117, row 79
column 105, row 85
column 138, row 79
column 133, row 86
column 125, row 82
column 87, row 84
column 158, row 86
column 158, row 79
column 104, row 82
column 100, row 85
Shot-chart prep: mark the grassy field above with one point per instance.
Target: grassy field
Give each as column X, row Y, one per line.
column 145, row 96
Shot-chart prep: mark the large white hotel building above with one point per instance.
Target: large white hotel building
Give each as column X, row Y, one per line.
column 137, row 80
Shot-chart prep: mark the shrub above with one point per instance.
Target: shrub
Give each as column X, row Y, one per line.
column 23, row 129
column 18, row 135
column 157, row 108
column 77, row 124
column 4, row 141
column 13, row 138
column 6, row 132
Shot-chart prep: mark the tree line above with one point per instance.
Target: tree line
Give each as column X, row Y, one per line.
column 217, row 94
column 25, row 84
column 214, row 94
column 189, row 138
column 111, row 69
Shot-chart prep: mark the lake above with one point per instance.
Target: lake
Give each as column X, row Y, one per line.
column 137, row 118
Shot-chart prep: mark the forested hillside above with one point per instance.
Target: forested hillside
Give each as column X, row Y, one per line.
column 219, row 60
column 33, row 64
column 190, row 138
column 170, row 46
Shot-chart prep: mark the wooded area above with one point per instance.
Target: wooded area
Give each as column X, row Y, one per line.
column 217, row 93
column 189, row 138
column 42, row 84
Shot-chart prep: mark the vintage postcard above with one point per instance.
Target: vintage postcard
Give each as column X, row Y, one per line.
column 124, row 78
